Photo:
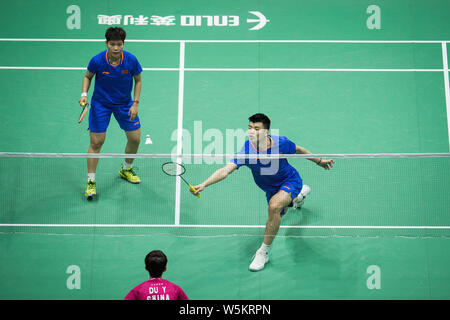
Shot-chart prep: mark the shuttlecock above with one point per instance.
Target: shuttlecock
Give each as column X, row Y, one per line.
column 148, row 140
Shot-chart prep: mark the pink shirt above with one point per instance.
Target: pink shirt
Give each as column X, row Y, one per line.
column 156, row 289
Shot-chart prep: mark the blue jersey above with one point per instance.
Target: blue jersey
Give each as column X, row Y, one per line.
column 270, row 174
column 113, row 84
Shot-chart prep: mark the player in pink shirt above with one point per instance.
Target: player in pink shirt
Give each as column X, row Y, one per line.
column 156, row 288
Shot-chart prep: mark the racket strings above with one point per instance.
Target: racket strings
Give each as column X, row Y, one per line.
column 173, row 169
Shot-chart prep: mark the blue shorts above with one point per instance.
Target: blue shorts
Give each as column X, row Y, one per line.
column 292, row 186
column 100, row 115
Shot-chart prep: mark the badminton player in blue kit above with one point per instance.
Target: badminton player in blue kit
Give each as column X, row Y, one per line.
column 114, row 70
column 281, row 182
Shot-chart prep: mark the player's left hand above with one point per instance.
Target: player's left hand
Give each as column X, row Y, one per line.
column 326, row 164
column 133, row 112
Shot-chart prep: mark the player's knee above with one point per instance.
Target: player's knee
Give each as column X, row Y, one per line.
column 275, row 207
column 96, row 144
column 134, row 139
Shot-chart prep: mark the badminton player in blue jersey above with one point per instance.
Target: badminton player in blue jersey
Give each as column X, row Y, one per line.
column 114, row 70
column 281, row 182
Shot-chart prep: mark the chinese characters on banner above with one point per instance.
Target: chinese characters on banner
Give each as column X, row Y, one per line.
column 138, row 21
column 184, row 20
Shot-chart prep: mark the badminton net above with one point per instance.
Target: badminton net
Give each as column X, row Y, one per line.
column 363, row 195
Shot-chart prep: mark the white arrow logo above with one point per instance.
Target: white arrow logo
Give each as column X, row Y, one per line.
column 262, row 20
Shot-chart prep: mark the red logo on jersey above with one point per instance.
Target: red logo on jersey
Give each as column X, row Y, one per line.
column 124, row 71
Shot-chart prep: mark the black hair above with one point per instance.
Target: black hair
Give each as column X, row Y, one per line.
column 260, row 117
column 115, row 33
column 155, row 263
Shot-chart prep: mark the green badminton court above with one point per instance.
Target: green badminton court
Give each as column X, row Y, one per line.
column 354, row 78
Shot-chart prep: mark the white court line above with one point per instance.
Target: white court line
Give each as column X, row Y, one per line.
column 222, row 41
column 213, row 226
column 40, row 68
column 313, row 69
column 73, row 68
column 447, row 87
column 180, row 131
column 237, row 69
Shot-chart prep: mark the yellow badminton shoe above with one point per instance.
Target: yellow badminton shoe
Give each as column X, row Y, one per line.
column 129, row 175
column 90, row 189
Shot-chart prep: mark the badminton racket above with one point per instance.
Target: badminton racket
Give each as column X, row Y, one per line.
column 83, row 112
column 176, row 169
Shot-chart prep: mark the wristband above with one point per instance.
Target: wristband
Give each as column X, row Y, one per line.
column 136, row 101
column 84, row 94
column 320, row 160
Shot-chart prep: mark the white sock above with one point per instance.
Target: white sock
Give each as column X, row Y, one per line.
column 264, row 248
column 91, row 176
column 127, row 165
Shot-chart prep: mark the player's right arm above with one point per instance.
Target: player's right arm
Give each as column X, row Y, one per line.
column 85, row 86
column 217, row 176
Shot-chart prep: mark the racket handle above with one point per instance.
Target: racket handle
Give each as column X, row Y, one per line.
column 193, row 190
